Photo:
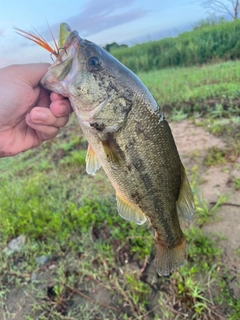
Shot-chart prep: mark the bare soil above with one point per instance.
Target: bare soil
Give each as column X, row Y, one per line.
column 192, row 140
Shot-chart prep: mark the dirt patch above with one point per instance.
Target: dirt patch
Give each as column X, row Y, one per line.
column 192, row 140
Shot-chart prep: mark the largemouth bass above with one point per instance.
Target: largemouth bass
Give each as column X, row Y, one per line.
column 129, row 138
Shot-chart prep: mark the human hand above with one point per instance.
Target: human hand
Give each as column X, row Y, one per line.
column 29, row 115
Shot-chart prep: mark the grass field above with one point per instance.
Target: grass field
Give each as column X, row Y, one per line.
column 95, row 260
column 197, row 89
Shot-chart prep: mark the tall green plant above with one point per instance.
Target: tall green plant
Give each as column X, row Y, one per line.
column 205, row 43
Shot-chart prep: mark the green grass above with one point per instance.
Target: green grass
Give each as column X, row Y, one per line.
column 212, row 89
column 216, row 156
column 237, row 183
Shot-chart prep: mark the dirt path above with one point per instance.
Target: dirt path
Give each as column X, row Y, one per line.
column 193, row 143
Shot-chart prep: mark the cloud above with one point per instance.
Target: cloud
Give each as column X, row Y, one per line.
column 103, row 21
column 100, row 15
column 163, row 33
column 92, row 7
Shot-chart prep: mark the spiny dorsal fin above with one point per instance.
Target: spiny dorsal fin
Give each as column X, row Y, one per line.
column 129, row 212
column 92, row 163
column 185, row 202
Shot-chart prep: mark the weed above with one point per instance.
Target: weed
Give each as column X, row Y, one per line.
column 205, row 213
column 195, row 154
column 237, row 251
column 233, row 313
column 178, row 115
column 70, row 145
column 192, row 293
column 217, row 112
column 75, row 158
column 237, row 183
column 216, row 156
column 222, row 126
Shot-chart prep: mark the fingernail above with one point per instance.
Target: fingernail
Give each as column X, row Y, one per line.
column 39, row 115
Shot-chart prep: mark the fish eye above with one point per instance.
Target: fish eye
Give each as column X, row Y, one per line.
column 94, row 63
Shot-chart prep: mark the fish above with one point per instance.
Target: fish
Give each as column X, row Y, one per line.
column 129, row 137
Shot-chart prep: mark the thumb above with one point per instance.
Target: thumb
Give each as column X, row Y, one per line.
column 32, row 73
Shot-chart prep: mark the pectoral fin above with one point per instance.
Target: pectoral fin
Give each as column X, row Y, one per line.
column 92, row 163
column 112, row 150
column 185, row 202
column 129, row 212
column 111, row 154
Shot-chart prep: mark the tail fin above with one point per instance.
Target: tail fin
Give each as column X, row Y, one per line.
column 169, row 259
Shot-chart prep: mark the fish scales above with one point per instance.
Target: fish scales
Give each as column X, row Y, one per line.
column 130, row 138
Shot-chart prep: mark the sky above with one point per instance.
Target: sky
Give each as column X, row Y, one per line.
column 100, row 21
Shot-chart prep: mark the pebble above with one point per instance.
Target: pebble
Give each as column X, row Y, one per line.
column 17, row 243
column 42, row 260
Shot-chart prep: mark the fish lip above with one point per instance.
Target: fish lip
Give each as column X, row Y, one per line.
column 69, row 50
column 74, row 34
column 51, row 79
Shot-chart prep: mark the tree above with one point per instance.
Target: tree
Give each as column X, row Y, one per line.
column 231, row 7
column 114, row 45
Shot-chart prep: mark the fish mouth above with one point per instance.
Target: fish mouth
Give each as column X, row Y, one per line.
column 65, row 67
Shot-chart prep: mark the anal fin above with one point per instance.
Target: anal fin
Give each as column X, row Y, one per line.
column 129, row 212
column 92, row 162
